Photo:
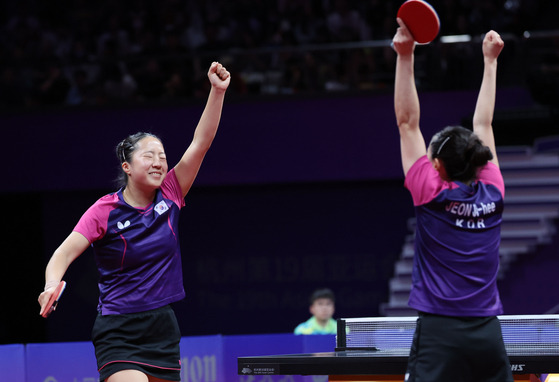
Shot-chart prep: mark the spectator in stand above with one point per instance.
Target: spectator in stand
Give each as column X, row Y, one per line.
column 322, row 308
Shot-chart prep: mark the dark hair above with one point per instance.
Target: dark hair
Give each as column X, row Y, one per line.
column 461, row 152
column 322, row 293
column 124, row 151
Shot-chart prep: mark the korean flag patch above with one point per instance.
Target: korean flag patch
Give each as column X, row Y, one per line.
column 161, row 207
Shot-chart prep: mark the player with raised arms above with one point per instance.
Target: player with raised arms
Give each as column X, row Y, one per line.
column 134, row 234
column 458, row 192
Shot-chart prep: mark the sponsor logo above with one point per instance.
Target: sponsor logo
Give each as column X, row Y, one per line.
column 517, row 367
column 122, row 226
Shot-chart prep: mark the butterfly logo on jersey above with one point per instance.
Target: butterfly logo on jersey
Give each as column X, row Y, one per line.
column 122, row 226
column 161, row 207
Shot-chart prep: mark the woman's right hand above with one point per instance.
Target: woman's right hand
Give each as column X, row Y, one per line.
column 403, row 42
column 45, row 296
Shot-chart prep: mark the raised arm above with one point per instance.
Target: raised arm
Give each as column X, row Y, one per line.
column 187, row 168
column 406, row 101
column 485, row 106
column 74, row 245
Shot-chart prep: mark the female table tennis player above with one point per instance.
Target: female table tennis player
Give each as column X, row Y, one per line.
column 134, row 236
column 457, row 189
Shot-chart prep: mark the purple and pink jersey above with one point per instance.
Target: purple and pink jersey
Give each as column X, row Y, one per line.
column 136, row 250
column 457, row 242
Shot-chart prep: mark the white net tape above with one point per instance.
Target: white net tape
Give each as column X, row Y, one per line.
column 525, row 335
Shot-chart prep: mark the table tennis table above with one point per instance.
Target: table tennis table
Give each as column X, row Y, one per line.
column 377, row 349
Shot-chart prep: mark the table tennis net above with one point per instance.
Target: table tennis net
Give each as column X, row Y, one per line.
column 522, row 334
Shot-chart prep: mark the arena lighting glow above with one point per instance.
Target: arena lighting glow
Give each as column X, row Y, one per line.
column 456, row 38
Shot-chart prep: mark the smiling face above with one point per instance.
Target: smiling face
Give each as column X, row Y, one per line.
column 148, row 166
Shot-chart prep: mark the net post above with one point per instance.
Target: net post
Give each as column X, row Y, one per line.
column 341, row 335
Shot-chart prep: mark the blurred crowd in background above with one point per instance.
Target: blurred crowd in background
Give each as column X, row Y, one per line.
column 112, row 52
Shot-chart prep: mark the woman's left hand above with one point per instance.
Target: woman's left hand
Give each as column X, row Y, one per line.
column 219, row 76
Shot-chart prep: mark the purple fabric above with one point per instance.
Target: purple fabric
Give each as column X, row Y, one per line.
column 137, row 250
column 457, row 242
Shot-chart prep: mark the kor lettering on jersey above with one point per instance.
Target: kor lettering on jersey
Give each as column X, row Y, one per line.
column 470, row 215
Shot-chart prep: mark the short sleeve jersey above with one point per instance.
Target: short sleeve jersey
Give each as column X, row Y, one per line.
column 136, row 250
column 457, row 242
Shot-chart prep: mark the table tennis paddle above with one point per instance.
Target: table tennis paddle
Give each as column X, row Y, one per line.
column 53, row 301
column 421, row 19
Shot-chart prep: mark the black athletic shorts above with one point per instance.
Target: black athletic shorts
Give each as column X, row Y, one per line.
column 458, row 349
column 146, row 341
